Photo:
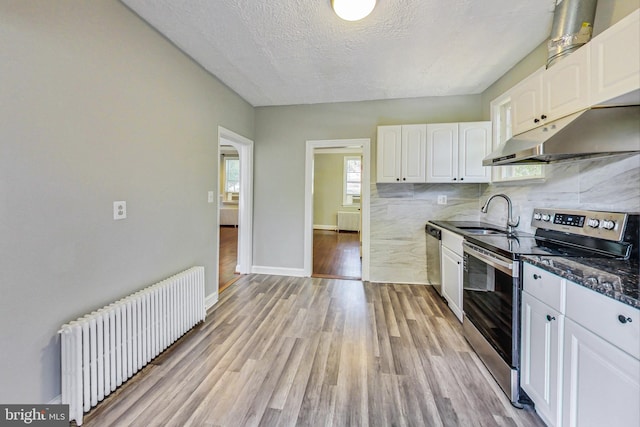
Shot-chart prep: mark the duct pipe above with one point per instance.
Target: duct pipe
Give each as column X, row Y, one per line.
column 572, row 27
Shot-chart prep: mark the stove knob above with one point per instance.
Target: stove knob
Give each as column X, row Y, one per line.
column 537, row 216
column 593, row 223
column 608, row 225
column 546, row 217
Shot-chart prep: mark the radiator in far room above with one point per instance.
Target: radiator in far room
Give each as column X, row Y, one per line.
column 105, row 348
column 348, row 221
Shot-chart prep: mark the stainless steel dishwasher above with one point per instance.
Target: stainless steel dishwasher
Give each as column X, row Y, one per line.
column 434, row 241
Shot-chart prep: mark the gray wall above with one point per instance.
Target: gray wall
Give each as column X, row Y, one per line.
column 281, row 133
column 328, row 171
column 95, row 107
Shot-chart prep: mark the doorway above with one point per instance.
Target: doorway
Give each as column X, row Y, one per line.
column 240, row 198
column 312, row 147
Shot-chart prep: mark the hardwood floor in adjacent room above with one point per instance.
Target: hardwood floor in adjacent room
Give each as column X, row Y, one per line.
column 284, row 351
column 228, row 256
column 336, row 255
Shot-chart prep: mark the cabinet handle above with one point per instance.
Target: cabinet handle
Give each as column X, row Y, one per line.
column 536, row 120
column 543, row 117
column 404, row 179
column 550, row 318
column 624, row 319
column 536, row 277
column 455, row 179
column 397, row 179
column 461, row 179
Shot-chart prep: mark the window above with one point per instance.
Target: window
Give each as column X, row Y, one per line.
column 501, row 118
column 352, row 180
column 232, row 175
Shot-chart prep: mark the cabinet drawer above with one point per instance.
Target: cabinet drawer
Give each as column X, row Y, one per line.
column 452, row 241
column 545, row 286
column 600, row 314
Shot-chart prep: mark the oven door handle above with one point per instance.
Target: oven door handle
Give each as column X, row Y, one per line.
column 506, row 266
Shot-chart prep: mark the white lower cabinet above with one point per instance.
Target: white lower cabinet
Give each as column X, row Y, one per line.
column 452, row 280
column 601, row 382
column 451, row 269
column 579, row 353
column 542, row 329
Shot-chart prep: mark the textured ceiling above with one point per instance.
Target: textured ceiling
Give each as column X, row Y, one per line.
column 299, row 52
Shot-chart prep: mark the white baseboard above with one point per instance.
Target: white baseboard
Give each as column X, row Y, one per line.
column 210, row 300
column 276, row 271
column 55, row 401
column 325, row 227
column 404, row 282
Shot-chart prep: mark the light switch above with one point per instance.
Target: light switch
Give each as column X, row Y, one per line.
column 210, row 197
column 119, row 210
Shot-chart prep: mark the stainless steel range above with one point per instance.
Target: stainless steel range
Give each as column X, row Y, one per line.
column 492, row 283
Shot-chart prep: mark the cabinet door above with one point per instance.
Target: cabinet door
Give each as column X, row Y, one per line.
column 526, row 103
column 414, row 146
column 474, row 144
column 541, row 364
column 601, row 383
column 389, row 152
column 451, row 271
column 566, row 85
column 615, row 61
column 442, row 152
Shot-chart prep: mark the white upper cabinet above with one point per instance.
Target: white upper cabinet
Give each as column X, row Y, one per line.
column 566, row 85
column 604, row 71
column 549, row 94
column 526, row 103
column 455, row 152
column 442, row 152
column 401, row 153
column 615, row 62
column 474, row 144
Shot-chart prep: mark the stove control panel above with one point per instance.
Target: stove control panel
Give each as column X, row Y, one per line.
column 603, row 225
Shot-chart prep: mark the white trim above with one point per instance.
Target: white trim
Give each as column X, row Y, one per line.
column 244, row 146
column 311, row 148
column 346, row 150
column 277, row 271
column 55, row 401
column 325, row 227
column 210, row 300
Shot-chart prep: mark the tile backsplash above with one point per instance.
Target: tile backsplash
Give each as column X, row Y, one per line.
column 400, row 211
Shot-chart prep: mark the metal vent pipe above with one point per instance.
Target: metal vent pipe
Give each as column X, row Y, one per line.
column 572, row 27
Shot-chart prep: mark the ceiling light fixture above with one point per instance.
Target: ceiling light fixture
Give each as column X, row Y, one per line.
column 353, row 10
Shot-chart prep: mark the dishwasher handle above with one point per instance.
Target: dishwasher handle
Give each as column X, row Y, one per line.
column 433, row 231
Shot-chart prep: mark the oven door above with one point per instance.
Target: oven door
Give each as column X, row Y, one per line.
column 491, row 299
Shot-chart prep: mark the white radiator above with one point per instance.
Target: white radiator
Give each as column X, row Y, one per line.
column 348, row 220
column 105, row 348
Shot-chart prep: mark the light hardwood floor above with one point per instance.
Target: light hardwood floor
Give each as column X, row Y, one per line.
column 336, row 255
column 283, row 351
column 228, row 256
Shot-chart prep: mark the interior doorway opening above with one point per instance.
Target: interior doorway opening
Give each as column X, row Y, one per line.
column 354, row 243
column 337, row 194
column 235, row 206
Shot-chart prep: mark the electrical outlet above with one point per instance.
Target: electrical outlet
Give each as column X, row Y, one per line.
column 442, row 199
column 119, row 210
column 210, row 197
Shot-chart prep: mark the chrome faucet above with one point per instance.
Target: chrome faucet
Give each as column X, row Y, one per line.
column 511, row 223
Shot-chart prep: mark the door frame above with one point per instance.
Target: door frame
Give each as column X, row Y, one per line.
column 244, row 146
column 365, row 144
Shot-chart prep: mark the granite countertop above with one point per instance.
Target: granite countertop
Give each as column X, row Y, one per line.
column 617, row 279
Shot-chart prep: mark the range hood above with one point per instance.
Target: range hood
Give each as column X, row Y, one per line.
column 594, row 132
